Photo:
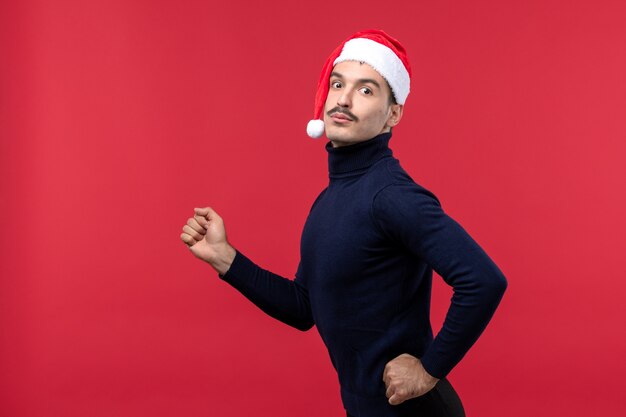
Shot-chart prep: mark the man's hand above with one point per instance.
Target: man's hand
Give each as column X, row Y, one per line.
column 205, row 236
column 406, row 378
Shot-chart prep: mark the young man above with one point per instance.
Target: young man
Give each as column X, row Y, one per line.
column 368, row 249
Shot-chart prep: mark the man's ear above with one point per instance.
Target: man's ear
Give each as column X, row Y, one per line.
column 395, row 114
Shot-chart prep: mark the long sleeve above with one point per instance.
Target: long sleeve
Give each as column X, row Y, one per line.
column 279, row 297
column 413, row 217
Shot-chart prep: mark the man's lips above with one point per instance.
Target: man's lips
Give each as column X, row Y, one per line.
column 340, row 117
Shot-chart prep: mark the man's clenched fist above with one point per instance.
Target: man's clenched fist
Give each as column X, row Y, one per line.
column 406, row 378
column 205, row 236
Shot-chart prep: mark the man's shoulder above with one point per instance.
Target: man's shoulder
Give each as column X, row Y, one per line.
column 392, row 174
column 398, row 184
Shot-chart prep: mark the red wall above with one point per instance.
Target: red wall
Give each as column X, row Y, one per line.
column 118, row 117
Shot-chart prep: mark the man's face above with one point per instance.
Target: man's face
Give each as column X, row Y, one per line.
column 358, row 106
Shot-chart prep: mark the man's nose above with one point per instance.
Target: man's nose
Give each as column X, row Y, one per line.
column 345, row 98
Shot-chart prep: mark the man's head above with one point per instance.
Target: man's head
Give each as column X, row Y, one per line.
column 362, row 89
column 359, row 105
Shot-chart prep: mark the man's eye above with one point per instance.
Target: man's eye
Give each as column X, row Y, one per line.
column 335, row 84
column 366, row 91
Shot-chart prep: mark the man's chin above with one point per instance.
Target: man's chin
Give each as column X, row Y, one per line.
column 340, row 134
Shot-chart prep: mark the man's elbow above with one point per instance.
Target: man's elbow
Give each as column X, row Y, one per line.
column 496, row 286
column 304, row 325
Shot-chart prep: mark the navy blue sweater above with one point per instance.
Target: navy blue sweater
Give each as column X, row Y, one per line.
column 368, row 249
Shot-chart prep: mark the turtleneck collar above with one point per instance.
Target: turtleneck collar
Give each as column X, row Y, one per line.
column 355, row 159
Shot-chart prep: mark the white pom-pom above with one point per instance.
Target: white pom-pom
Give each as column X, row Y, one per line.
column 315, row 128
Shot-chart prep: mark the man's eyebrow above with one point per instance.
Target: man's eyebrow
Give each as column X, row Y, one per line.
column 359, row 81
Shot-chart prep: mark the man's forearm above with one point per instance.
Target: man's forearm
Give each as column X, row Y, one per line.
column 279, row 297
column 471, row 309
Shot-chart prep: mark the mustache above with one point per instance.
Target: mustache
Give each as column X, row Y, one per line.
column 342, row 111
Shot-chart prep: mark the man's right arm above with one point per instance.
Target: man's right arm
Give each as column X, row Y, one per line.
column 279, row 297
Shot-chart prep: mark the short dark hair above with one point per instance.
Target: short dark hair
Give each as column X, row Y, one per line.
column 392, row 97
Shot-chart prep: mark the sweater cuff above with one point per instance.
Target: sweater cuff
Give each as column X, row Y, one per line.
column 435, row 365
column 241, row 267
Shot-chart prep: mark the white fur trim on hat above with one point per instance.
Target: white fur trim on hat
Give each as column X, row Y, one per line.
column 383, row 60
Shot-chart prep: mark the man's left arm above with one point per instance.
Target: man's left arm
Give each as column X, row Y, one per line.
column 413, row 216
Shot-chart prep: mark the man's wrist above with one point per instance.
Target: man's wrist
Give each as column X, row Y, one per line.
column 223, row 259
column 428, row 368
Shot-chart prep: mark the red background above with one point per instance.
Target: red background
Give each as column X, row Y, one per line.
column 118, row 117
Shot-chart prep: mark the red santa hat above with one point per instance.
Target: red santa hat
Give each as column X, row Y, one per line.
column 374, row 47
